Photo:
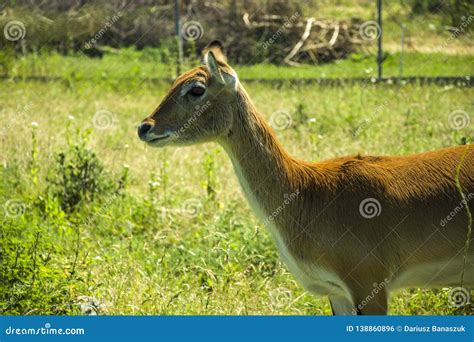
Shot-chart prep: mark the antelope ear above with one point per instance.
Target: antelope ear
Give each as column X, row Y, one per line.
column 215, row 59
column 217, row 48
column 211, row 63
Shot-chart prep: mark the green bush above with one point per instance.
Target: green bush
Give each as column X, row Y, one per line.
column 7, row 57
column 455, row 10
column 78, row 176
column 35, row 275
column 43, row 233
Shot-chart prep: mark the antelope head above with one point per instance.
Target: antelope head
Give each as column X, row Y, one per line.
column 198, row 108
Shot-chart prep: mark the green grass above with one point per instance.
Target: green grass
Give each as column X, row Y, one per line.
column 142, row 250
column 129, row 63
column 414, row 64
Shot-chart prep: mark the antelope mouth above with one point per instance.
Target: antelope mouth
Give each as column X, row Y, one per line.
column 161, row 137
column 158, row 140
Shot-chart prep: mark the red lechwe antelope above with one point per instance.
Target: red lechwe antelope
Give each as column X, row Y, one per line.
column 352, row 228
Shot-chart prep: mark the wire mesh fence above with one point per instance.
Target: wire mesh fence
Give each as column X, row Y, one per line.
column 417, row 36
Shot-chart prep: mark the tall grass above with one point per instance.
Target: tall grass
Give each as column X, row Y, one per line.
column 133, row 65
column 168, row 231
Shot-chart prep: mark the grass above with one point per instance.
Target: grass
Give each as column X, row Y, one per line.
column 359, row 65
column 169, row 232
column 129, row 63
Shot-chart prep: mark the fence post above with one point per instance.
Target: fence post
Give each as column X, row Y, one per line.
column 379, row 52
column 402, row 43
column 177, row 20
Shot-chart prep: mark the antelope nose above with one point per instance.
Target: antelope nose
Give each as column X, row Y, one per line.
column 143, row 129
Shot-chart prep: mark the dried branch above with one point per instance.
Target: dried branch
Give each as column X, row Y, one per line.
column 294, row 51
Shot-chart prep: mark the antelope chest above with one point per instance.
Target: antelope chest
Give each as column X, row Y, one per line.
column 313, row 277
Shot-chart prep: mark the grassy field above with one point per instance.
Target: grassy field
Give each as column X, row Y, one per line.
column 130, row 63
column 94, row 220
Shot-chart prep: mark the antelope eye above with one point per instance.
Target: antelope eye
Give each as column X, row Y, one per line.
column 197, row 90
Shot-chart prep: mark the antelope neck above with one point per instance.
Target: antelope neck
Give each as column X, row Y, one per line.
column 263, row 167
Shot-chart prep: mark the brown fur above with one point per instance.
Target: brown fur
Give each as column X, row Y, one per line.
column 323, row 225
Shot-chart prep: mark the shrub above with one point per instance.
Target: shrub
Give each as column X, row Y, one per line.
column 78, row 176
column 33, row 278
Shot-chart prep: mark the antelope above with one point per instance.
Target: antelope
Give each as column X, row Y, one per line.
column 352, row 228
